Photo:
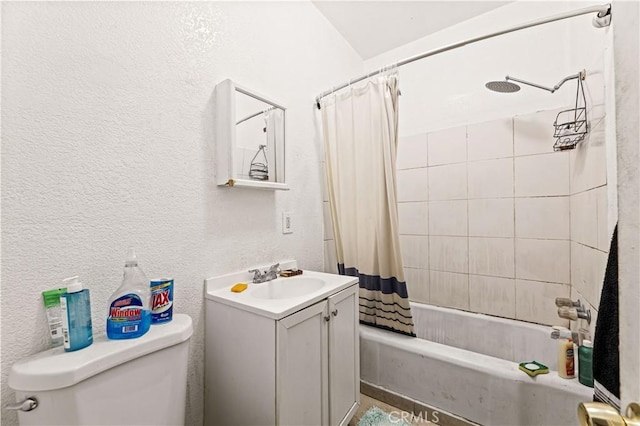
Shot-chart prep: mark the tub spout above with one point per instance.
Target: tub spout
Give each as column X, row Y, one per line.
column 599, row 414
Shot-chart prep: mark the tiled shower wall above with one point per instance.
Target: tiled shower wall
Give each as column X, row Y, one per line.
column 485, row 214
column 492, row 220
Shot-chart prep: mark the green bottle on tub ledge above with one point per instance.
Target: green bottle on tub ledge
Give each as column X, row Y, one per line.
column 130, row 305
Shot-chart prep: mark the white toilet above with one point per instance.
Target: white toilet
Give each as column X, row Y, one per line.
column 112, row 382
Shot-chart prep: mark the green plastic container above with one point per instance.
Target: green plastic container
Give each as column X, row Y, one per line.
column 585, row 364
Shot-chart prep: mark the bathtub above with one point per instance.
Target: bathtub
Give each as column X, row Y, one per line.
column 467, row 364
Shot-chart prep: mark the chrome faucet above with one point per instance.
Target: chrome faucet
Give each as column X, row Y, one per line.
column 270, row 274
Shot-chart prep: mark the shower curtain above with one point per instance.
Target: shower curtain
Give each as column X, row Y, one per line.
column 274, row 125
column 360, row 131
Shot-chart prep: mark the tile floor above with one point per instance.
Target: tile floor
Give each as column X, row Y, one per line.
column 367, row 402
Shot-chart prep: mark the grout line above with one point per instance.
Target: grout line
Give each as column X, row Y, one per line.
column 428, row 228
column 466, row 129
column 513, row 192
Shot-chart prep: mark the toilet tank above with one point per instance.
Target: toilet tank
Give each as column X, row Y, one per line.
column 140, row 381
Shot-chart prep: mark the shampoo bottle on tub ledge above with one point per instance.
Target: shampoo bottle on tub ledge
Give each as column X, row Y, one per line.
column 130, row 306
column 566, row 361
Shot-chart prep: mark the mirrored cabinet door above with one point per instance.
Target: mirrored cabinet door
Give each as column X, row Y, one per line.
column 250, row 138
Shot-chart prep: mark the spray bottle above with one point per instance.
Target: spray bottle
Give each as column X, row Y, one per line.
column 130, row 306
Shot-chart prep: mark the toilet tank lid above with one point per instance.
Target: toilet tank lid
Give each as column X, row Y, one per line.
column 56, row 369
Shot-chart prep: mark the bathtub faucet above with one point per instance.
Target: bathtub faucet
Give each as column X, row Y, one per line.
column 565, row 301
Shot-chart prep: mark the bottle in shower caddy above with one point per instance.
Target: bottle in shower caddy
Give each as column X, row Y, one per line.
column 130, row 306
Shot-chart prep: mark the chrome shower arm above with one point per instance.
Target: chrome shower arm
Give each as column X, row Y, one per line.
column 580, row 75
column 530, row 84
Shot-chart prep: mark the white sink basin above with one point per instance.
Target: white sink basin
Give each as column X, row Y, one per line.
column 287, row 288
column 278, row 298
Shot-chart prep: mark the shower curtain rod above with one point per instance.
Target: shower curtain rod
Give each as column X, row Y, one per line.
column 255, row 115
column 603, row 11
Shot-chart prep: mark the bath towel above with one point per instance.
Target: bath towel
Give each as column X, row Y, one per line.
column 606, row 355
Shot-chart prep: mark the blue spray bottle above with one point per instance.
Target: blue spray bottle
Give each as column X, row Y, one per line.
column 130, row 306
column 75, row 305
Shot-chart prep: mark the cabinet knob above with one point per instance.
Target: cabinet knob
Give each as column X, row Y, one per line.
column 327, row 317
column 334, row 312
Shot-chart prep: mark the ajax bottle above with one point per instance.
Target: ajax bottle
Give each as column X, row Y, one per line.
column 130, row 306
column 76, row 316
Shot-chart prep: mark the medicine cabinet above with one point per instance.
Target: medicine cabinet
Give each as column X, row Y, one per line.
column 250, row 138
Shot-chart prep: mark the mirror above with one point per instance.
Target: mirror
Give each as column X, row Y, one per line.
column 250, row 138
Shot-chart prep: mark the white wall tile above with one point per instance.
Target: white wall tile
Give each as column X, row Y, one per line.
column 533, row 133
column 535, row 301
column 413, row 218
column 492, row 256
column 546, row 217
column 491, row 218
column 448, row 182
column 448, row 218
column 588, row 161
column 448, row 254
column 542, row 175
column 577, row 267
column 417, row 284
column 543, row 260
column 492, row 139
column 449, row 289
column 576, row 295
column 595, row 268
column 412, row 151
column 448, row 146
column 327, row 223
column 588, row 268
column 413, row 185
column 594, row 88
column 330, row 259
column 491, row 178
column 584, row 218
column 415, row 251
column 492, row 295
column 604, row 239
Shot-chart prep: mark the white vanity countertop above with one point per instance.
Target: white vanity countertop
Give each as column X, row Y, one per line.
column 218, row 289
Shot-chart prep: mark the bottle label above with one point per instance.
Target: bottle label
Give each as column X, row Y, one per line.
column 161, row 300
column 570, row 363
column 65, row 322
column 125, row 314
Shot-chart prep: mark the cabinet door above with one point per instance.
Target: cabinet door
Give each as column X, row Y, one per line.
column 302, row 367
column 344, row 356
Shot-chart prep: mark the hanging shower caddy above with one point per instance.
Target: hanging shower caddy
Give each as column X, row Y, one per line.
column 571, row 125
column 259, row 169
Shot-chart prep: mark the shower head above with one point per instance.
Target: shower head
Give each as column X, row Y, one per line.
column 502, row 86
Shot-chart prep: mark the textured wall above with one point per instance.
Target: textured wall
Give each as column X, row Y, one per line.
column 107, row 142
column 627, row 71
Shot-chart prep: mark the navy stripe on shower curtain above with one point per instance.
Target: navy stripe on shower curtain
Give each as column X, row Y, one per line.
column 384, row 302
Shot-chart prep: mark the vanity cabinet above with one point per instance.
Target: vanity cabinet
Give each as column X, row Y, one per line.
column 318, row 361
column 302, row 369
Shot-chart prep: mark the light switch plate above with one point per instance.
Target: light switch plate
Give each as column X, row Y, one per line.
column 287, row 223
